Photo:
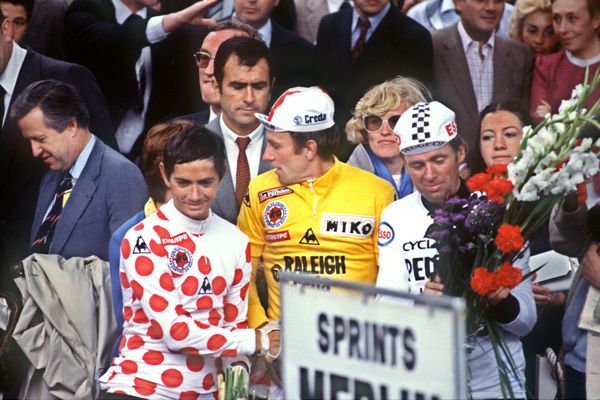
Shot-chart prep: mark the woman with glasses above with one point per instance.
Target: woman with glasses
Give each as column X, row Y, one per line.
column 372, row 128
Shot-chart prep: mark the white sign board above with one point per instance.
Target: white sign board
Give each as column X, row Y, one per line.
column 350, row 346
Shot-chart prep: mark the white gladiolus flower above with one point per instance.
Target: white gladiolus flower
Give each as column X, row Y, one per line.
column 549, row 160
column 527, row 193
column 577, row 91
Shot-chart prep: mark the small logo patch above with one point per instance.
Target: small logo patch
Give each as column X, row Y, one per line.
column 275, row 214
column 451, row 128
column 140, row 246
column 385, row 234
column 280, row 236
column 205, row 288
column 274, row 193
column 309, row 238
column 180, row 260
column 298, row 120
column 359, row 226
column 175, row 239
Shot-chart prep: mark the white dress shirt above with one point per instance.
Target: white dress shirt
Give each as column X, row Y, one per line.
column 253, row 151
column 132, row 124
column 8, row 78
column 481, row 66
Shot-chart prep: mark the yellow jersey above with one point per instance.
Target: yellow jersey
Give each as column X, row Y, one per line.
column 326, row 227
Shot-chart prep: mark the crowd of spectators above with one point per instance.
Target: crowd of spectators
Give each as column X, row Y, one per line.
column 200, row 148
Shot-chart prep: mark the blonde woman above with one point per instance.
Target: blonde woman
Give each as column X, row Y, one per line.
column 531, row 23
column 372, row 128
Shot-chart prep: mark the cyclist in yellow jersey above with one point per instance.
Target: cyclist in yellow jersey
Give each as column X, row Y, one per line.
column 312, row 213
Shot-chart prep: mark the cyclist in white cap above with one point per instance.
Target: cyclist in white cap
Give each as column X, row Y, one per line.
column 312, row 213
column 432, row 154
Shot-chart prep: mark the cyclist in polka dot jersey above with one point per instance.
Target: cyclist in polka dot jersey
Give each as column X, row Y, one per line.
column 185, row 275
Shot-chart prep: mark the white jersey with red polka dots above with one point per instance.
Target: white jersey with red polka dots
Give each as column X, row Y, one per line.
column 184, row 288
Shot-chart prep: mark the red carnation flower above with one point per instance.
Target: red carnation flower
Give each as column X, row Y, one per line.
column 477, row 182
column 509, row 238
column 508, row 276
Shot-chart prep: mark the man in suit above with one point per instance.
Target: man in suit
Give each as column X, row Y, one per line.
column 90, row 189
column 474, row 67
column 369, row 44
column 310, row 12
column 20, row 173
column 206, row 68
column 440, row 14
column 244, row 78
column 294, row 58
column 140, row 59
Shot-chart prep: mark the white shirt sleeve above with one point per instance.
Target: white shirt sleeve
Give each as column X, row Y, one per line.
column 155, row 31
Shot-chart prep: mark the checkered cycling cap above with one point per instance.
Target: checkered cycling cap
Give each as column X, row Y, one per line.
column 300, row 109
column 425, row 127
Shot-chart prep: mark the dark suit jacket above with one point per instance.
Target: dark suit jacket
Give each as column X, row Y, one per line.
column 294, row 61
column 513, row 69
column 110, row 50
column 199, row 118
column 399, row 46
column 225, row 205
column 45, row 32
column 109, row 191
column 20, row 173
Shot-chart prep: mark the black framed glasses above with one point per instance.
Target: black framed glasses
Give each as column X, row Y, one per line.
column 202, row 59
column 374, row 123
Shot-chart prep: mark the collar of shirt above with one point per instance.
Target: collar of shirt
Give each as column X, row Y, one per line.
column 183, row 221
column 122, row 12
column 253, row 151
column 324, row 183
column 374, row 20
column 8, row 79
column 447, row 6
column 211, row 114
column 266, row 32
column 82, row 159
column 230, row 136
column 467, row 40
column 580, row 62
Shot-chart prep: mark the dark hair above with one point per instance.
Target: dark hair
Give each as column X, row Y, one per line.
column 476, row 163
column 194, row 143
column 236, row 25
column 327, row 140
column 60, row 103
column 248, row 51
column 27, row 5
column 152, row 154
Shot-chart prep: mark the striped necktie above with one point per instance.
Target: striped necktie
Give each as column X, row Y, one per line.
column 363, row 26
column 43, row 239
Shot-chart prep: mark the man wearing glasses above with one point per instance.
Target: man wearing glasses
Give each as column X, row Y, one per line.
column 206, row 68
column 135, row 54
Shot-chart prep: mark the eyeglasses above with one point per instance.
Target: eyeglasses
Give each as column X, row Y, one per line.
column 374, row 123
column 202, row 59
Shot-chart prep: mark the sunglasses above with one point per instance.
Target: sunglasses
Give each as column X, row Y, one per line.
column 374, row 123
column 202, row 59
